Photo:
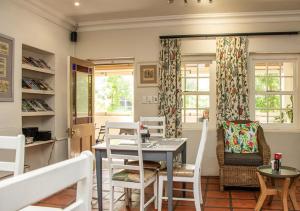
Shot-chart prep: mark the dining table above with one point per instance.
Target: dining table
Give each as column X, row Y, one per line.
column 156, row 149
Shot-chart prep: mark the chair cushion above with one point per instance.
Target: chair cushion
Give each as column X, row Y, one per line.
column 246, row 159
column 147, row 164
column 133, row 176
column 241, row 138
column 181, row 170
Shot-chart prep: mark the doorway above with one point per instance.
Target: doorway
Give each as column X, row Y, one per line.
column 113, row 94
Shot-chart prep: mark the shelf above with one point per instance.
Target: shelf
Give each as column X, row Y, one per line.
column 37, row 69
column 42, row 113
column 37, row 143
column 41, row 92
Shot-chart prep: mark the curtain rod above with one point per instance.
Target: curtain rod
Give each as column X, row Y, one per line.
column 228, row 35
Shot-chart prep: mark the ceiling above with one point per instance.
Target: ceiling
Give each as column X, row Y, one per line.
column 95, row 10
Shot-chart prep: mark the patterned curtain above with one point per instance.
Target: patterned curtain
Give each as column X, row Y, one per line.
column 232, row 86
column 170, row 102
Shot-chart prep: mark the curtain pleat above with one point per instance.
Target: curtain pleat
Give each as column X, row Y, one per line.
column 170, row 101
column 232, row 85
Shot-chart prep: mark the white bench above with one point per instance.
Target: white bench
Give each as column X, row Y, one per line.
column 23, row 190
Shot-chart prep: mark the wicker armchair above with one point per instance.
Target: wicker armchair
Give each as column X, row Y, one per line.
column 232, row 171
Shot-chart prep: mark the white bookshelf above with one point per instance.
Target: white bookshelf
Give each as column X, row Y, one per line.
column 44, row 120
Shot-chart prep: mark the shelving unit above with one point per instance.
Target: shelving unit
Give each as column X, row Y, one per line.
column 44, row 120
column 38, row 143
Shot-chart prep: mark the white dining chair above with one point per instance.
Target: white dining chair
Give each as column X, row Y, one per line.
column 17, row 193
column 125, row 175
column 156, row 125
column 187, row 173
column 16, row 143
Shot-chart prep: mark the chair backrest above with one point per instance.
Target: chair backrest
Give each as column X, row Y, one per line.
column 156, row 125
column 201, row 148
column 36, row 185
column 16, row 143
column 129, row 142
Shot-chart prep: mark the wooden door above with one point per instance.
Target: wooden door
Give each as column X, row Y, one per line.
column 81, row 123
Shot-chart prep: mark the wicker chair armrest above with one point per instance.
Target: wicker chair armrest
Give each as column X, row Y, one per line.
column 220, row 147
column 263, row 147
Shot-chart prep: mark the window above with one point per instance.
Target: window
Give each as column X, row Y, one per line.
column 274, row 86
column 113, row 91
column 195, row 91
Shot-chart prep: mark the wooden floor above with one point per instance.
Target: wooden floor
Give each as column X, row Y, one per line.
column 214, row 200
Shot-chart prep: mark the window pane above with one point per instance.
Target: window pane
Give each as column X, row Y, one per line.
column 274, row 84
column 82, row 86
column 273, row 101
column 191, row 116
column 191, row 70
column 260, row 101
column 287, row 84
column 203, row 101
column 274, row 69
column 203, row 84
column 287, row 69
column 203, row 70
column 288, row 116
column 260, row 69
column 287, row 101
column 190, row 101
column 275, row 116
column 261, row 84
column 261, row 116
column 191, row 84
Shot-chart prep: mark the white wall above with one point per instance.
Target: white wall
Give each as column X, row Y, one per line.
column 27, row 28
column 143, row 45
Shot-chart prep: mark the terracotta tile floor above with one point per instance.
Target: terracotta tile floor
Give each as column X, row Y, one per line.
column 214, row 200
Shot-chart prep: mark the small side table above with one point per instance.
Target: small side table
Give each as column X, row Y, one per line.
column 289, row 176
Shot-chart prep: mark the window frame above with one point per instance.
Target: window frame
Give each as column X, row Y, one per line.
column 196, row 59
column 254, row 58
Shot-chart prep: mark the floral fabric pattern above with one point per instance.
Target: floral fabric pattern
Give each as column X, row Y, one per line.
column 232, row 85
column 241, row 138
column 170, row 102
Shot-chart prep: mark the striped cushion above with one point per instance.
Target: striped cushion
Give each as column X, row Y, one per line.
column 131, row 176
column 181, row 170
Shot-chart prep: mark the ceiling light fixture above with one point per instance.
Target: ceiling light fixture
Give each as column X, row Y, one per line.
column 76, row 3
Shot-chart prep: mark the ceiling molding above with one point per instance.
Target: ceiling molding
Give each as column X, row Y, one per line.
column 47, row 13
column 208, row 18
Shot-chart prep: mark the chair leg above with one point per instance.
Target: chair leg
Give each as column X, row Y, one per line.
column 155, row 193
column 142, row 199
column 126, row 191
column 111, row 201
column 160, row 192
column 197, row 196
column 200, row 191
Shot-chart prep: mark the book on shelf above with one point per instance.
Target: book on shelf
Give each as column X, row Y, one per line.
column 36, row 62
column 36, row 84
column 35, row 105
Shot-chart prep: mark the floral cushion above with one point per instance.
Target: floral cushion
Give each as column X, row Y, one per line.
column 133, row 176
column 241, row 138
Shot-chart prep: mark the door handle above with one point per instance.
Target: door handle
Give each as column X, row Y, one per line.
column 71, row 132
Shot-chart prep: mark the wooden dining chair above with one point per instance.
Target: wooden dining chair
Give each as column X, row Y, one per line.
column 17, row 193
column 156, row 125
column 187, row 173
column 16, row 143
column 125, row 175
